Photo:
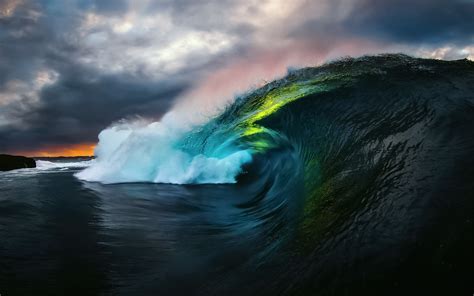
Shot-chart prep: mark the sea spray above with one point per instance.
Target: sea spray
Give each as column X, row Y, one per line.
column 153, row 152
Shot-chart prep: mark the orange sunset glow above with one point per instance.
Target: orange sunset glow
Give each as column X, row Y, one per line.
column 82, row 149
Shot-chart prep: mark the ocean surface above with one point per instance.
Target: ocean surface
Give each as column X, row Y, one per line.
column 351, row 178
column 63, row 236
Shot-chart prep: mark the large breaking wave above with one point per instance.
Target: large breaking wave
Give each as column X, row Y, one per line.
column 355, row 92
column 359, row 163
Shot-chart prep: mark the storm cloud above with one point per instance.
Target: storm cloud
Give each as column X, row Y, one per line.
column 68, row 69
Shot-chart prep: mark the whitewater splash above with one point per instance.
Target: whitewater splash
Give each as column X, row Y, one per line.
column 154, row 152
column 44, row 165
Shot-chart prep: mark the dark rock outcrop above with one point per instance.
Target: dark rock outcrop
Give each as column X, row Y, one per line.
column 12, row 162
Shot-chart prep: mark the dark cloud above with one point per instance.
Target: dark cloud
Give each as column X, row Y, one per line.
column 419, row 22
column 22, row 44
column 83, row 100
column 76, row 108
column 427, row 21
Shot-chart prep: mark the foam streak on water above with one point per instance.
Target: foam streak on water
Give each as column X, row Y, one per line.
column 43, row 165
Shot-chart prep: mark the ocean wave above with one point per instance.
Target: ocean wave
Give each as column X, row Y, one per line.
column 368, row 160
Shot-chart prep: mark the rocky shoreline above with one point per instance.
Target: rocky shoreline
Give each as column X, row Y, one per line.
column 13, row 162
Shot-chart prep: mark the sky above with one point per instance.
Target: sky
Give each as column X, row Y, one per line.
column 68, row 69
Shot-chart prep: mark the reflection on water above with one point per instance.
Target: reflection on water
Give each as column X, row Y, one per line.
column 62, row 236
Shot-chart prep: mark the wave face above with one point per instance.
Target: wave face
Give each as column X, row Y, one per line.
column 370, row 158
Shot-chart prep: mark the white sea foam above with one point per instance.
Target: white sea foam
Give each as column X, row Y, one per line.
column 147, row 152
column 49, row 165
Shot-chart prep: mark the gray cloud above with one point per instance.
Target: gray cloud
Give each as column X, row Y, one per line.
column 75, row 111
column 427, row 21
column 81, row 100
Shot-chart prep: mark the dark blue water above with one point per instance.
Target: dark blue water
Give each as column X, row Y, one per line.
column 61, row 236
